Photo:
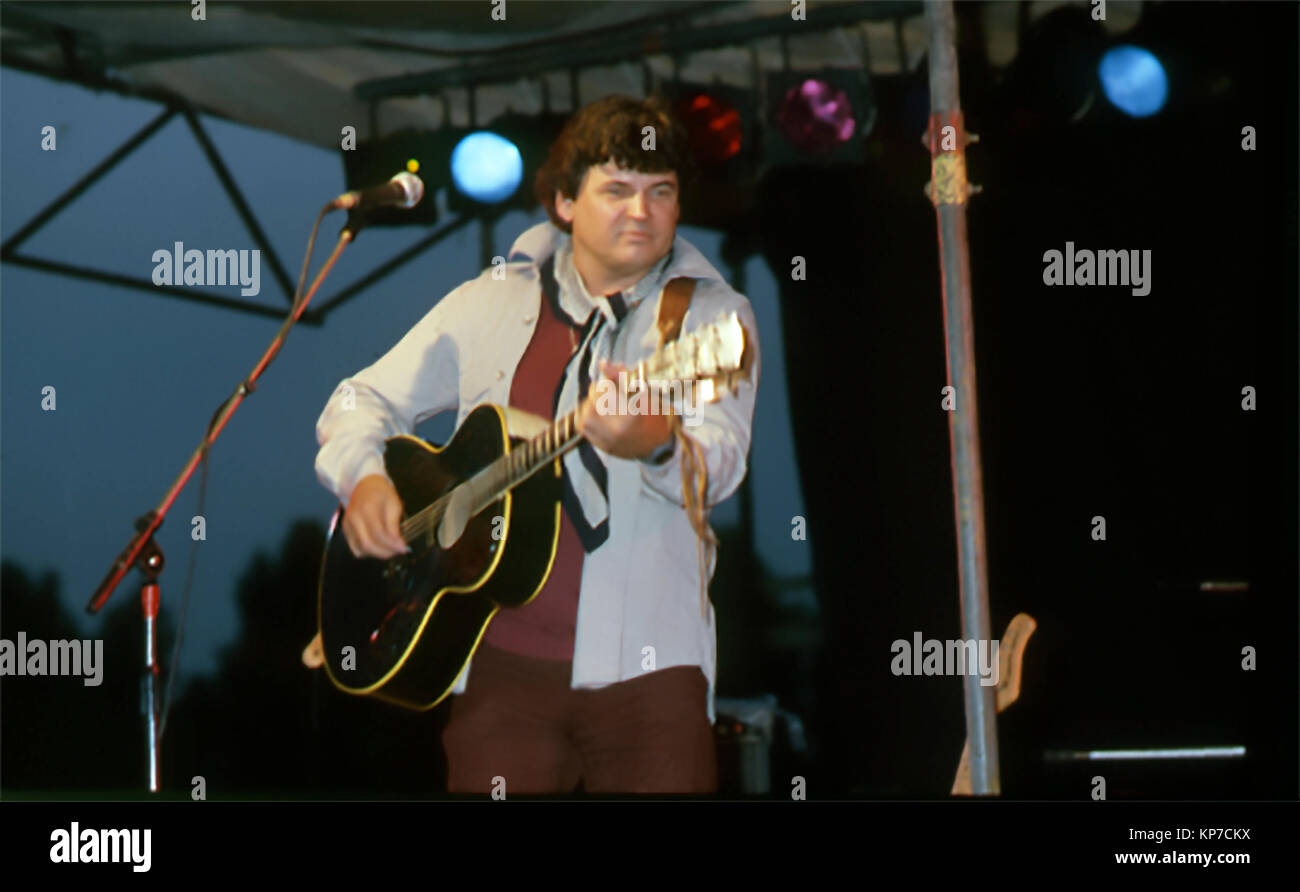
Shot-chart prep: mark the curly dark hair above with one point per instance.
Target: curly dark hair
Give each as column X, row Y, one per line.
column 611, row 129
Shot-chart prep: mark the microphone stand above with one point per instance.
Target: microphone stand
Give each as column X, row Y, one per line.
column 143, row 552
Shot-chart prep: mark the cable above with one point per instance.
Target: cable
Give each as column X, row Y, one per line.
column 174, row 665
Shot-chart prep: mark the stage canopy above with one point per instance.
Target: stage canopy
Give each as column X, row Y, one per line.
column 298, row 69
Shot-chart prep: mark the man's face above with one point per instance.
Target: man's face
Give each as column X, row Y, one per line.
column 622, row 219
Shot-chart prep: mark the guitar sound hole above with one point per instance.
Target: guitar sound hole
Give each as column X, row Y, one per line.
column 405, row 608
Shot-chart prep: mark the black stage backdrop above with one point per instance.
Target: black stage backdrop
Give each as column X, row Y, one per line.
column 1093, row 401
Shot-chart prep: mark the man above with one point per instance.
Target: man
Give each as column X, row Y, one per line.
column 605, row 680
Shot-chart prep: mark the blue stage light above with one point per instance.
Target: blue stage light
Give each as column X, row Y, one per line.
column 486, row 167
column 1134, row 80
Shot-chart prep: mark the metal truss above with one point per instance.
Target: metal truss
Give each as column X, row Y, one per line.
column 9, row 250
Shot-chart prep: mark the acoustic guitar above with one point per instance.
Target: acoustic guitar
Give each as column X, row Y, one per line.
column 482, row 518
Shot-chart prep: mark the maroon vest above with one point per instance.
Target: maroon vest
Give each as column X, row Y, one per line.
column 544, row 627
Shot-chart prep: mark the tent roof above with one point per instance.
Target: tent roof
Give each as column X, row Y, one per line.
column 303, row 69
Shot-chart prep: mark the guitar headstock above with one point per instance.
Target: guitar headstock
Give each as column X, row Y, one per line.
column 713, row 358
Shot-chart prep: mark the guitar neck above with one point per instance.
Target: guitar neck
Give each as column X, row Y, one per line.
column 716, row 349
column 522, row 462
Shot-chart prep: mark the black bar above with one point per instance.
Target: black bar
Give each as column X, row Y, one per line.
column 146, row 285
column 380, row 272
column 237, row 198
column 78, row 187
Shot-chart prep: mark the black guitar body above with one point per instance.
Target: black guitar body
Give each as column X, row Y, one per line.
column 403, row 629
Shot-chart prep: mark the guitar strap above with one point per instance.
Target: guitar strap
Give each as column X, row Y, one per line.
column 672, row 308
column 673, row 304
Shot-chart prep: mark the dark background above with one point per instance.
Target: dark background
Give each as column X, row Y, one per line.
column 1093, row 401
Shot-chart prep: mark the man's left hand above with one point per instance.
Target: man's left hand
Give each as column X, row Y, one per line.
column 627, row 435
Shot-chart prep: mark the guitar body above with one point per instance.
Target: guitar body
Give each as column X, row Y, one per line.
column 414, row 621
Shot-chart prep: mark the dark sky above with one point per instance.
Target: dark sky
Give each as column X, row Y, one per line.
column 137, row 376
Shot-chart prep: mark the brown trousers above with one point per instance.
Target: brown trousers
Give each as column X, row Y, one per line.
column 518, row 720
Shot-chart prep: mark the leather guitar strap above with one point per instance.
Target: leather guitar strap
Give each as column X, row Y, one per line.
column 672, row 308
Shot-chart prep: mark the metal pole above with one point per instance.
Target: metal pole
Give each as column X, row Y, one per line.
column 948, row 190
column 149, row 598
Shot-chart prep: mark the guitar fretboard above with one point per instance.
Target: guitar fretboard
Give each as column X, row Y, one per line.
column 524, row 460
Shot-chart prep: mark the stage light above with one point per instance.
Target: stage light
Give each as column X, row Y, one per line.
column 820, row 117
column 713, row 124
column 1134, row 80
column 720, row 122
column 815, row 117
column 486, row 167
column 517, row 145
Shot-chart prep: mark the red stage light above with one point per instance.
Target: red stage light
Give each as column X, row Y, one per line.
column 815, row 117
column 713, row 126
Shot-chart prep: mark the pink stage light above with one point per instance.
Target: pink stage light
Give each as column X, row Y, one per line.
column 815, row 117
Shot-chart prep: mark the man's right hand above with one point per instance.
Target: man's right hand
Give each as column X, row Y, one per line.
column 372, row 521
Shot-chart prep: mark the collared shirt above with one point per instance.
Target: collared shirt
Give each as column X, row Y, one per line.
column 578, row 303
column 639, row 608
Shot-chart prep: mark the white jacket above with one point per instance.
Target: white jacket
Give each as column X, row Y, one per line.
column 641, row 588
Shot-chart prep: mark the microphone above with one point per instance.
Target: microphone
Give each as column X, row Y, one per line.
column 404, row 190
